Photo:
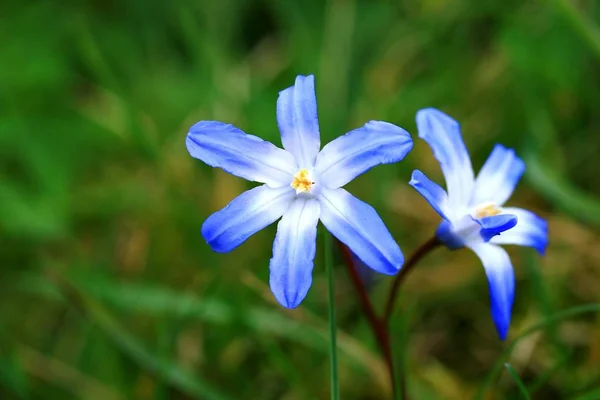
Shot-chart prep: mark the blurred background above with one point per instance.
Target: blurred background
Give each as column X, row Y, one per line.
column 107, row 289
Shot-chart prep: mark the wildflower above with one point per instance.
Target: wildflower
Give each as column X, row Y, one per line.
column 473, row 209
column 302, row 186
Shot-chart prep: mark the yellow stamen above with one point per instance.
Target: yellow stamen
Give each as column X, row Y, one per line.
column 487, row 210
column 302, row 181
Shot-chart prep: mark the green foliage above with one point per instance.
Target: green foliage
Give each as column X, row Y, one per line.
column 107, row 289
column 514, row 374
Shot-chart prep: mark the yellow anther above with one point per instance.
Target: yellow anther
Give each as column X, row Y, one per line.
column 302, row 181
column 487, row 210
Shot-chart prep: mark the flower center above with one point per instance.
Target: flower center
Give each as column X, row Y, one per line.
column 302, row 181
column 487, row 210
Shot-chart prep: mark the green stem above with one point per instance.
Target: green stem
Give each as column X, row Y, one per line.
column 335, row 388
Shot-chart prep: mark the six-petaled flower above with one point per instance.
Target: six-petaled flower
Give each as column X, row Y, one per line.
column 301, row 185
column 473, row 209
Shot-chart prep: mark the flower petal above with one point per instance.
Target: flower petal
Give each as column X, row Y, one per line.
column 294, row 251
column 356, row 224
column 501, row 278
column 442, row 133
column 495, row 225
column 445, row 235
column 531, row 231
column 245, row 215
column 359, row 150
column 225, row 146
column 298, row 121
column 499, row 176
column 433, row 193
column 367, row 275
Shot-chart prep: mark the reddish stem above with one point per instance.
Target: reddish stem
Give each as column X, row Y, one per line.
column 377, row 325
column 401, row 276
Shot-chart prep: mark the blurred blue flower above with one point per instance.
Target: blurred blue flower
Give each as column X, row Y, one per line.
column 301, row 185
column 473, row 208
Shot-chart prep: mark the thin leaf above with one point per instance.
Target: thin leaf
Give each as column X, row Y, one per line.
column 581, row 23
column 192, row 385
column 156, row 301
column 62, row 375
column 568, row 313
column 558, row 190
column 517, row 380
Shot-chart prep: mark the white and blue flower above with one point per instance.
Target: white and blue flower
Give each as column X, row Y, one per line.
column 301, row 185
column 473, row 210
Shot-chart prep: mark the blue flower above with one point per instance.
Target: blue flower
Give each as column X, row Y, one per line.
column 301, row 185
column 473, row 208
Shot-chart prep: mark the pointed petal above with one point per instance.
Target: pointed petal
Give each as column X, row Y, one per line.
column 501, row 278
column 531, row 231
column 495, row 225
column 498, row 176
column 445, row 235
column 442, row 133
column 367, row 275
column 225, row 146
column 357, row 225
column 247, row 214
column 433, row 193
column 298, row 122
column 294, row 252
column 359, row 150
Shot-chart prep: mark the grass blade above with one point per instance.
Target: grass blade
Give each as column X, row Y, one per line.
column 517, row 380
column 558, row 190
column 568, row 313
column 168, row 372
column 159, row 302
column 64, row 376
column 581, row 23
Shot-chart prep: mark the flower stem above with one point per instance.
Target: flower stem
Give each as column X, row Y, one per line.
column 335, row 388
column 380, row 325
column 401, row 276
column 377, row 325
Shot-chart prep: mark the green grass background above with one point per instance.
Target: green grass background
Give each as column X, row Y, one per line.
column 107, row 289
